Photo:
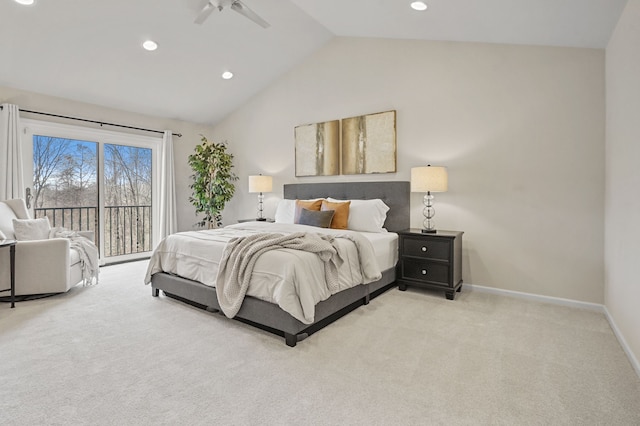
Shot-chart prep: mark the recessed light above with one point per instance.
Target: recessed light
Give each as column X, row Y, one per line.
column 25, row 2
column 227, row 75
column 419, row 5
column 150, row 45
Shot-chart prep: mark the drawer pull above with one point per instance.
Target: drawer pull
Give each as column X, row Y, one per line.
column 424, row 272
column 424, row 249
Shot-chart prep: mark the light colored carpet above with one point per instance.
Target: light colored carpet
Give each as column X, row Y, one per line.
column 113, row 355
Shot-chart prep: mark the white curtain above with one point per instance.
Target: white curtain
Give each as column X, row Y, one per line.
column 11, row 180
column 168, row 218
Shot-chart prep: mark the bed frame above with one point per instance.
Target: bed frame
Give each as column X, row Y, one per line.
column 271, row 317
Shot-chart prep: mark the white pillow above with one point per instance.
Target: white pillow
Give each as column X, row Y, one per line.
column 366, row 215
column 286, row 210
column 31, row 229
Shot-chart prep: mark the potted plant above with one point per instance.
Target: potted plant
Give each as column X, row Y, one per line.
column 212, row 181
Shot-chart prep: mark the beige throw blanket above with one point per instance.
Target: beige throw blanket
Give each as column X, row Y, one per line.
column 240, row 255
column 87, row 251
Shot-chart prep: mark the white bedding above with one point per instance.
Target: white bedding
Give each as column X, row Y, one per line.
column 195, row 255
column 385, row 246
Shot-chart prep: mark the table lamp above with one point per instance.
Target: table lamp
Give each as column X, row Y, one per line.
column 260, row 184
column 429, row 179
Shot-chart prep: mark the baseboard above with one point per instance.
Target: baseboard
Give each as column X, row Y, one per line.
column 632, row 358
column 536, row 297
column 565, row 302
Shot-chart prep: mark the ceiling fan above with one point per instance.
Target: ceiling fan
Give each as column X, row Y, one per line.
column 236, row 5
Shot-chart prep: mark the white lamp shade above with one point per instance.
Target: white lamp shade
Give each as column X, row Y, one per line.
column 260, row 183
column 429, row 179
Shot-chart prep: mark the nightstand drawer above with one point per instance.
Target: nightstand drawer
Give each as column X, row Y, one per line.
column 428, row 248
column 426, row 271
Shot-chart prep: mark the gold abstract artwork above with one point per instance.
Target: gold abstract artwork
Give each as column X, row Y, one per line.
column 369, row 144
column 318, row 149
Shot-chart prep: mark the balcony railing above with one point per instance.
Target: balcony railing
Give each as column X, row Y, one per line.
column 127, row 229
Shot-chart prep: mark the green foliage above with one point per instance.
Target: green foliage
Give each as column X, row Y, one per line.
column 212, row 181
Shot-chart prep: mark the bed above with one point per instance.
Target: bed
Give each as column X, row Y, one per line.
column 270, row 316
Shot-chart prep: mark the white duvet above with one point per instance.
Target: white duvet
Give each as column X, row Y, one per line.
column 292, row 279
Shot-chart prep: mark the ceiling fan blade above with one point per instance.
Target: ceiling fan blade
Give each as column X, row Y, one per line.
column 205, row 12
column 242, row 9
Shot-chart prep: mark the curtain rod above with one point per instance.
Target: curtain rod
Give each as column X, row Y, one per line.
column 95, row 122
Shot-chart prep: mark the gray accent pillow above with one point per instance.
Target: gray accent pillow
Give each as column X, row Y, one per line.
column 31, row 229
column 321, row 219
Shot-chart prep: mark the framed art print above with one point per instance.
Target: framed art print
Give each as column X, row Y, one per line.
column 369, row 144
column 318, row 149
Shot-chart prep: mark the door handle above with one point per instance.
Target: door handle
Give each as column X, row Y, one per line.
column 28, row 197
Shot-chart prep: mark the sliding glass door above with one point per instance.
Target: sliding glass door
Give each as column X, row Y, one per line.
column 65, row 185
column 93, row 179
column 128, row 198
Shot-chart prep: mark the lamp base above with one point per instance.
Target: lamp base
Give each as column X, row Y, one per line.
column 429, row 231
column 261, row 219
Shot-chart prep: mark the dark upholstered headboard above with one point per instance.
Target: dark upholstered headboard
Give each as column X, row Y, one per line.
column 395, row 194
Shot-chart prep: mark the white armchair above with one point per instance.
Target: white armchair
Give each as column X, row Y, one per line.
column 42, row 266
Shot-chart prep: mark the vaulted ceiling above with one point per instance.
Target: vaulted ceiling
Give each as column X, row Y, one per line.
column 90, row 50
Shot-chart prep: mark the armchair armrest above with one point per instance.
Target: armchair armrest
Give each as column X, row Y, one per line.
column 43, row 266
column 54, row 251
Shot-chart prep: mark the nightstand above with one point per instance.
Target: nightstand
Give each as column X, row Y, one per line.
column 431, row 260
column 255, row 220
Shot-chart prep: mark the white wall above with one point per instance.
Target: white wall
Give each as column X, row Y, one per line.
column 520, row 128
column 622, row 226
column 182, row 146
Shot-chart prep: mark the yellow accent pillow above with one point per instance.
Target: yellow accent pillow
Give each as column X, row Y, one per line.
column 309, row 205
column 341, row 216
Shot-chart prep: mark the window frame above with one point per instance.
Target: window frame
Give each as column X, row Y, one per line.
column 31, row 127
